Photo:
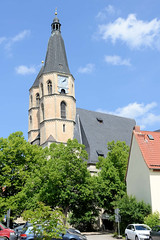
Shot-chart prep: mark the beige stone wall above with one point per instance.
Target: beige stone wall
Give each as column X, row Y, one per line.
column 33, row 115
column 32, row 135
column 51, row 122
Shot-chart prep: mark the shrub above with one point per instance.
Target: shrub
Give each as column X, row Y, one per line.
column 152, row 219
column 131, row 211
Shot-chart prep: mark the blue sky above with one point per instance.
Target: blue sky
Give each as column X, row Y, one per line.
column 113, row 51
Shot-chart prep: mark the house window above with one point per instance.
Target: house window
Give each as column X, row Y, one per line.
column 42, row 107
column 42, row 89
column 64, row 127
column 63, row 109
column 37, row 99
column 49, row 85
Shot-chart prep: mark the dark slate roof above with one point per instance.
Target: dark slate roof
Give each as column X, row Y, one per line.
column 50, row 139
column 36, row 82
column 95, row 130
column 56, row 60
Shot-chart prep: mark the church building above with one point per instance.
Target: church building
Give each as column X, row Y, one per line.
column 53, row 116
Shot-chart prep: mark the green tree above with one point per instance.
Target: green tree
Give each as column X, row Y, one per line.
column 110, row 179
column 46, row 223
column 118, row 154
column 85, row 211
column 18, row 159
column 64, row 181
column 109, row 185
column 131, row 211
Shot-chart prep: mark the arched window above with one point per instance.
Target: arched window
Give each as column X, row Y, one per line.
column 42, row 89
column 37, row 99
column 63, row 109
column 64, row 127
column 63, row 91
column 42, row 107
column 49, row 85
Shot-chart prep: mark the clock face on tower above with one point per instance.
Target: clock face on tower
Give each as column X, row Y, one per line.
column 63, row 82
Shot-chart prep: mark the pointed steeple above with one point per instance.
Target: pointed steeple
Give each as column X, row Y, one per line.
column 56, row 60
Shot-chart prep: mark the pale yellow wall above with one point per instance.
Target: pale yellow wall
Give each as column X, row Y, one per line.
column 155, row 190
column 138, row 180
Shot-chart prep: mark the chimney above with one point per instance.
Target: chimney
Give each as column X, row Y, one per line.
column 136, row 128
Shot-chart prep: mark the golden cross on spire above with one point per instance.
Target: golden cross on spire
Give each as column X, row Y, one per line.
column 56, row 11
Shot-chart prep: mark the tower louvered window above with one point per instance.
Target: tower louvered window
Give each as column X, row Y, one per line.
column 63, row 109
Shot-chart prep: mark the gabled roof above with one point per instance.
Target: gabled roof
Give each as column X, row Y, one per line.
column 95, row 130
column 149, row 144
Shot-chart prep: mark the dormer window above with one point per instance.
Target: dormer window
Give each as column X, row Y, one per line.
column 100, row 120
column 100, row 153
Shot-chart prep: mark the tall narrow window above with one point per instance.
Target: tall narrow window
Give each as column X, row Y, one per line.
column 30, row 120
column 31, row 100
column 64, row 127
column 42, row 107
column 42, row 89
column 49, row 85
column 63, row 109
column 37, row 99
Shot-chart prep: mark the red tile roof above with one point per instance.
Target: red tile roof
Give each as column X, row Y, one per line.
column 150, row 149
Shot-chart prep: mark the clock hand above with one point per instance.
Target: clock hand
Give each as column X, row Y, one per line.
column 64, row 80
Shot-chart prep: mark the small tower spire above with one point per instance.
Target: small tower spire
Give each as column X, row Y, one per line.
column 56, row 26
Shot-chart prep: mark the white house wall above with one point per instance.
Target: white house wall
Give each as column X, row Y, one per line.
column 155, row 190
column 138, row 181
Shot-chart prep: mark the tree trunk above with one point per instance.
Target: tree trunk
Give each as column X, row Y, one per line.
column 65, row 212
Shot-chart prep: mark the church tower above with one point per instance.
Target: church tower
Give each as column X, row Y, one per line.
column 52, row 104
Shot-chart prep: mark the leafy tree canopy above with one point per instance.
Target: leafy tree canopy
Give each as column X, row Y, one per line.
column 46, row 223
column 110, row 179
column 18, row 159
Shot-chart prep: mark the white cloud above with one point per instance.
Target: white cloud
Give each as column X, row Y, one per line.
column 17, row 38
column 138, row 111
column 135, row 33
column 2, row 39
column 24, row 70
column 87, row 69
column 109, row 10
column 117, row 60
column 20, row 36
